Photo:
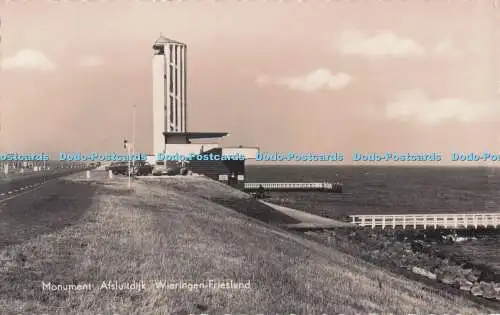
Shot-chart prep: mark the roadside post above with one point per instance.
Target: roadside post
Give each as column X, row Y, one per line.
column 127, row 146
column 133, row 137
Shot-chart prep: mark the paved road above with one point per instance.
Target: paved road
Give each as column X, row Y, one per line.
column 41, row 203
column 16, row 182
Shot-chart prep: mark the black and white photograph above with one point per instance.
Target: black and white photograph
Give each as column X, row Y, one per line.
column 252, row 157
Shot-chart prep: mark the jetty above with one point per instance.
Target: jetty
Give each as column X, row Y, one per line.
column 307, row 221
column 289, row 187
column 444, row 220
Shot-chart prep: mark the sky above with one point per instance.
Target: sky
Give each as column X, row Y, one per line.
column 312, row 76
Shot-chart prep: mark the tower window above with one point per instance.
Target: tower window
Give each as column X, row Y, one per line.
column 159, row 50
column 171, row 109
column 171, row 70
column 176, row 84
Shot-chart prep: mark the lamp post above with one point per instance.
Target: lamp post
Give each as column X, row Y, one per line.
column 131, row 157
column 127, row 147
column 133, row 136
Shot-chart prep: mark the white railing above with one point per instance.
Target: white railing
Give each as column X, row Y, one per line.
column 278, row 186
column 450, row 220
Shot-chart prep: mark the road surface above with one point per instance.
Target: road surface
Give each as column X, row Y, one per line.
column 40, row 203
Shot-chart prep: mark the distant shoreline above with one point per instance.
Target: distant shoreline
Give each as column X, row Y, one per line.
column 378, row 165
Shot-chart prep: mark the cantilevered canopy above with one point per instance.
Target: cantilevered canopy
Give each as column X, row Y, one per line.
column 196, row 135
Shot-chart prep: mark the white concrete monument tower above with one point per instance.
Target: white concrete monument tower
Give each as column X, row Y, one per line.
column 169, row 90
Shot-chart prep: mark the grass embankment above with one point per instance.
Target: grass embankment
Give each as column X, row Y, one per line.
column 172, row 231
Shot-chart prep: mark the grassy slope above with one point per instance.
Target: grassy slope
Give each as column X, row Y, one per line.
column 162, row 232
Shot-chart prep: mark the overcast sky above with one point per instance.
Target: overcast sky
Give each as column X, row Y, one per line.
column 314, row 76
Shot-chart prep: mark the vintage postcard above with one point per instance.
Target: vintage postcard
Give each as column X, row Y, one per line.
column 250, row 157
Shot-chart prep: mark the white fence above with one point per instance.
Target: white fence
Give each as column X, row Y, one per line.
column 449, row 220
column 291, row 186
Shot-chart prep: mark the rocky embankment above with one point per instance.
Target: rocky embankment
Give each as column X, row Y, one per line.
column 409, row 251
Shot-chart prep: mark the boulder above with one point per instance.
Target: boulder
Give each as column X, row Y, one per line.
column 446, row 278
column 489, row 291
column 427, row 249
column 441, row 255
column 423, row 272
column 468, row 266
column 375, row 253
column 434, row 262
column 487, row 276
column 438, row 271
column 472, row 277
column 464, row 284
column 452, row 269
column 476, row 290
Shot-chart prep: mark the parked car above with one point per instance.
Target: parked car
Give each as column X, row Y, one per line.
column 162, row 169
column 139, row 168
column 118, row 168
column 142, row 168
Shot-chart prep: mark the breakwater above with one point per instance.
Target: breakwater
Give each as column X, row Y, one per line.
column 421, row 253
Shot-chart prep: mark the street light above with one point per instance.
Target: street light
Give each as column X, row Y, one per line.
column 131, row 158
column 133, row 136
column 127, row 146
